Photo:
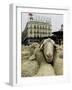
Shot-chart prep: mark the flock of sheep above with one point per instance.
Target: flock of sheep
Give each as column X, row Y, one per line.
column 44, row 59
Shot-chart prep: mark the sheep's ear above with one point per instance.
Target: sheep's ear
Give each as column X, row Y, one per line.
column 41, row 46
column 56, row 45
column 32, row 57
column 53, row 42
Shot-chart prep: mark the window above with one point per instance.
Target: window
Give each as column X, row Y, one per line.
column 34, row 35
column 43, row 27
column 49, row 28
column 34, row 32
column 31, row 31
column 49, row 33
column 37, row 27
column 30, row 26
column 40, row 27
column 37, row 35
column 37, row 31
column 42, row 32
column 34, row 26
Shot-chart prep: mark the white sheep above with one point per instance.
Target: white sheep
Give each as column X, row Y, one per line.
column 43, row 55
column 45, row 69
column 33, row 46
column 58, row 60
column 25, row 53
column 29, row 68
column 48, row 47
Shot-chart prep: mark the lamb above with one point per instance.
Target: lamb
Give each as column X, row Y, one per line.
column 58, row 60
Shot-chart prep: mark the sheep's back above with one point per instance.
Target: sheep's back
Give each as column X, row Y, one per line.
column 29, row 68
column 58, row 66
column 39, row 55
column 46, row 70
column 58, row 61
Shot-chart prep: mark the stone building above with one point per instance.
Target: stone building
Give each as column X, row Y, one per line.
column 35, row 31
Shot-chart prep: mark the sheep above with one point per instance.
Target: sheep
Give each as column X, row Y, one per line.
column 33, row 46
column 29, row 68
column 58, row 60
column 45, row 69
column 25, row 53
column 37, row 64
column 48, row 47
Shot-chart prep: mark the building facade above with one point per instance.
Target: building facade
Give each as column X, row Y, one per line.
column 35, row 31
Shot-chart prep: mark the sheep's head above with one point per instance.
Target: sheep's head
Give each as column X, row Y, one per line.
column 48, row 49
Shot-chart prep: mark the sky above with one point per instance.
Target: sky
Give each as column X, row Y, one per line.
column 55, row 19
